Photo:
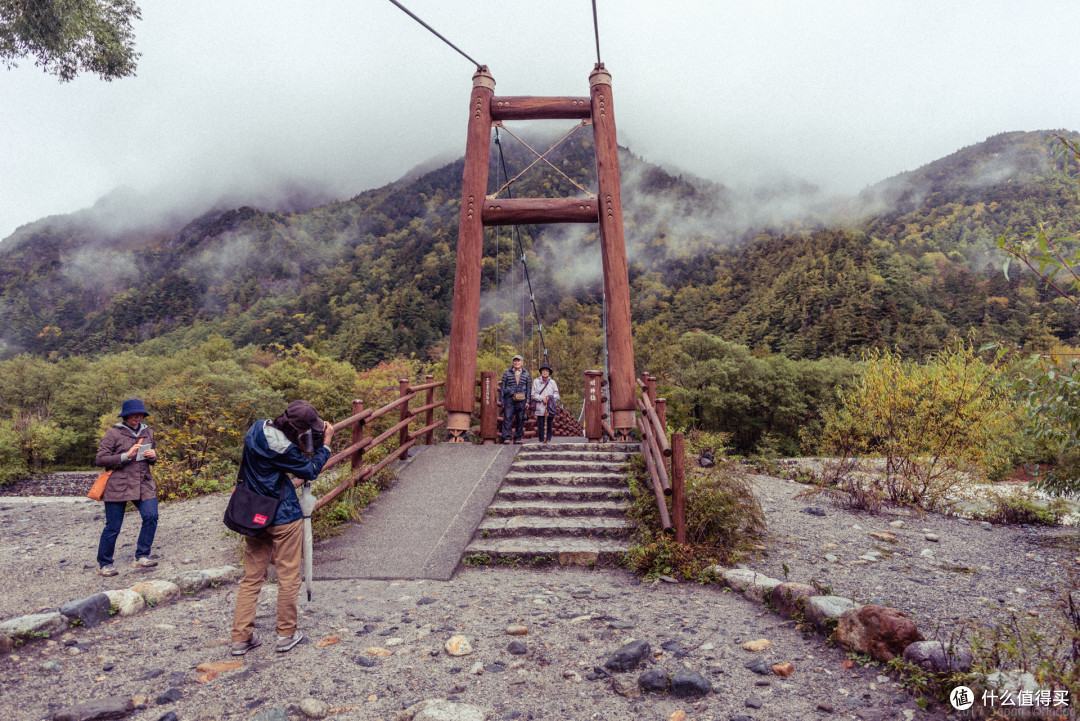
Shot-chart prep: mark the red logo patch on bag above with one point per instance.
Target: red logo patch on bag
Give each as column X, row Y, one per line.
column 260, row 519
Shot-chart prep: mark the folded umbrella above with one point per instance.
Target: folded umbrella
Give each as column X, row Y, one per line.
column 307, row 505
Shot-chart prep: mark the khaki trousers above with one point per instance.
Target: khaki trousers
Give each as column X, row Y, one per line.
column 285, row 542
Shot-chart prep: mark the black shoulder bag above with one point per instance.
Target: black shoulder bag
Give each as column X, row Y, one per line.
column 248, row 512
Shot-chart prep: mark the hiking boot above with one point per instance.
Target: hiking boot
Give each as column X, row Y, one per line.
column 284, row 643
column 144, row 562
column 239, row 648
column 107, row 570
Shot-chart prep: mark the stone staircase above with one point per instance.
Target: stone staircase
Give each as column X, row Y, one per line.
column 564, row 502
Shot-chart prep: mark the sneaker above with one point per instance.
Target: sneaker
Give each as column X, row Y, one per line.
column 239, row 648
column 284, row 643
column 144, row 562
column 107, row 571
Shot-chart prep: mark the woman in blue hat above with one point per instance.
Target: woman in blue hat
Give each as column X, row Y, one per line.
column 128, row 450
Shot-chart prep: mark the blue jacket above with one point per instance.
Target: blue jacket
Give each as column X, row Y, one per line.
column 267, row 459
column 509, row 388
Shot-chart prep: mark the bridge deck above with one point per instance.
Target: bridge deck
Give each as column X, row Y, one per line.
column 419, row 527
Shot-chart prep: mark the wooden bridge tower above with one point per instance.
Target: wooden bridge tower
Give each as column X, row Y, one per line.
column 479, row 211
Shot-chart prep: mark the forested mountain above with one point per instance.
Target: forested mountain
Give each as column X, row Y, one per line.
column 910, row 262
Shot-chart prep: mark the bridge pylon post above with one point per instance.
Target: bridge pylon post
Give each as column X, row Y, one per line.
column 465, row 322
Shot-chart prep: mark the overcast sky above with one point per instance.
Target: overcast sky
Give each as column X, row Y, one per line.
column 237, row 95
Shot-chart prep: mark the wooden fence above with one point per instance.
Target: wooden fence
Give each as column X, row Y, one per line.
column 360, row 442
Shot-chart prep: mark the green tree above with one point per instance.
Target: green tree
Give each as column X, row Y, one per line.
column 67, row 37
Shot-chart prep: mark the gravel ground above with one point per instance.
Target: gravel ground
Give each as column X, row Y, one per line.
column 975, row 571
column 576, row 619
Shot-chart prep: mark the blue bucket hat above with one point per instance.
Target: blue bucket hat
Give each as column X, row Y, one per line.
column 132, row 406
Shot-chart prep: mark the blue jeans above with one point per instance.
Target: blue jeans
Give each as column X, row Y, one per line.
column 513, row 411
column 114, row 519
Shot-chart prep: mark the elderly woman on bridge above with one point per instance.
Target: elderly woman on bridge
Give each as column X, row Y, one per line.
column 545, row 393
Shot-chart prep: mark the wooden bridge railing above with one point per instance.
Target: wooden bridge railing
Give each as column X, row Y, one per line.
column 359, row 442
column 652, row 423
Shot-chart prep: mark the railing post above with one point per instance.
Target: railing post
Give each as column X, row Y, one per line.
column 678, row 487
column 489, row 411
column 650, row 383
column 661, row 412
column 403, row 390
column 593, row 407
column 357, row 436
column 429, row 437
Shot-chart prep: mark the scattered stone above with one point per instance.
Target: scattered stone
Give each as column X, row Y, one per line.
column 986, row 526
column 396, row 641
column 458, row 645
column 126, row 601
column 926, row 553
column 655, row 680
column 689, row 683
column 759, row 645
column 814, row 511
column 331, row 640
column 936, row 656
column 669, row 579
column 620, row 625
column 150, row 674
column 931, row 537
column 101, row 708
column 572, row 676
column 827, row 708
column 789, row 598
column 625, row 686
column 171, row 716
column 426, row 601
column 757, row 666
column 89, row 611
column 628, row 657
column 517, row 648
column 220, row 666
column 517, row 630
column 376, row 651
column 477, row 668
column 884, row 536
column 677, row 715
column 364, row 661
column 869, row 558
column 314, row 708
column 783, row 669
column 832, row 558
column 896, row 524
column 51, row 666
column 880, row 631
column 170, row 696
column 274, row 714
column 753, row 702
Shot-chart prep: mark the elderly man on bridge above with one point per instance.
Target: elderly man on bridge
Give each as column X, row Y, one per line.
column 516, row 384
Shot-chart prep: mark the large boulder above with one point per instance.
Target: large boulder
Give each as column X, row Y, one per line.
column 880, row 631
column 825, row 611
column 689, row 683
column 126, row 601
column 34, row 625
column 655, row 680
column 760, row 588
column 628, row 657
column 442, row 710
column 89, row 611
column 99, row 708
column 789, row 598
column 938, row 657
column 198, row 580
column 157, row 592
column 737, row 579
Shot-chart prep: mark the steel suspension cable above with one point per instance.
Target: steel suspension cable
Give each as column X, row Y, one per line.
column 524, row 264
column 596, row 31
column 455, row 47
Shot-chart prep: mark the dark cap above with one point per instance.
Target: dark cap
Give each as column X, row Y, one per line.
column 303, row 416
column 548, row 368
column 517, row 357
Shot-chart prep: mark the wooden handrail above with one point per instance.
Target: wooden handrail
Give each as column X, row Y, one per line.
column 425, row 386
column 361, row 416
column 340, row 455
column 414, row 412
column 391, row 406
column 426, row 429
column 649, row 409
column 650, row 439
column 658, row 490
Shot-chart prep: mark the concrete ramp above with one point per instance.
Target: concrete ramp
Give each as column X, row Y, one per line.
column 420, row 527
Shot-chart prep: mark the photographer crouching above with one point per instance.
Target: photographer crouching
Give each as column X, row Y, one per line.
column 297, row 442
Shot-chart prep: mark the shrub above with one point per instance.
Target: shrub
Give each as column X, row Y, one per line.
column 930, row 427
column 1023, row 506
column 723, row 517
